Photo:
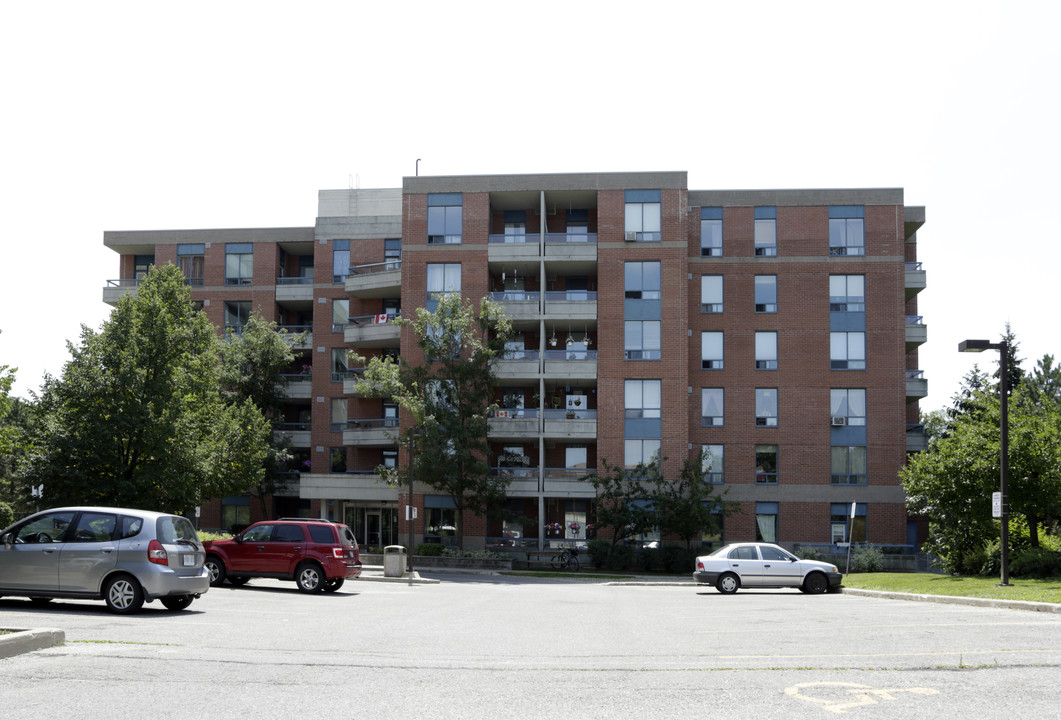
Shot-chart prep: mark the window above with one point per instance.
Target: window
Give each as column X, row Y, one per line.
column 442, row 278
column 338, row 414
column 848, row 465
column 765, row 231
column 642, row 280
column 340, row 260
column 847, row 406
column 235, row 513
column 392, row 252
column 340, row 315
column 843, row 526
column 711, row 350
column 643, row 399
column 847, row 293
column 640, row 452
column 576, row 456
column 711, row 232
column 712, row 407
column 766, row 464
column 711, row 298
column 766, row 293
column 643, row 215
column 766, row 407
column 94, row 527
column 712, row 463
column 340, row 364
column 445, row 218
column 190, row 260
column 440, row 525
column 766, row 350
column 390, row 459
column 337, row 460
column 847, row 232
column 642, row 340
column 766, row 522
column 515, row 226
column 239, row 263
column 237, row 314
column 142, row 265
column 847, row 350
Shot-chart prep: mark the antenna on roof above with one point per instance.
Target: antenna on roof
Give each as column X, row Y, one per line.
column 418, row 167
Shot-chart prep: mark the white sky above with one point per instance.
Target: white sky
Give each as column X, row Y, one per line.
column 142, row 116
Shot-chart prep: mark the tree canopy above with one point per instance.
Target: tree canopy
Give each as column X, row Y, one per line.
column 138, row 418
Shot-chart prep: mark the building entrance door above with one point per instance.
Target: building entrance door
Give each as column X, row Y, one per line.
column 373, row 525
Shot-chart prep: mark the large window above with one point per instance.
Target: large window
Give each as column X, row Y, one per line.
column 766, row 407
column 766, row 522
column 190, row 260
column 445, row 218
column 766, row 350
column 340, row 314
column 338, row 415
column 766, row 293
column 847, row 293
column 392, row 252
column 844, row 527
column 848, row 465
column 641, row 340
column 765, row 231
column 711, row 351
column 643, row 399
column 640, row 452
column 641, row 280
column 442, row 278
column 340, row 363
column 712, row 407
column 712, row 463
column 237, row 314
column 643, row 215
column 711, row 295
column 340, row 260
column 337, row 460
column 711, row 232
column 847, row 406
column 766, row 464
column 847, row 350
column 847, row 233
column 239, row 263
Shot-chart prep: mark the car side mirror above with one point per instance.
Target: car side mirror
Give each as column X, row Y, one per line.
column 7, row 539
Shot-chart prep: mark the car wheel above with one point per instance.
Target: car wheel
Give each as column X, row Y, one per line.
column 334, row 584
column 238, row 580
column 177, row 602
column 727, row 584
column 216, row 568
column 123, row 594
column 310, row 578
column 815, row 584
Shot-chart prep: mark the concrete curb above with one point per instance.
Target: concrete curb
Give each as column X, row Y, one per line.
column 958, row 600
column 17, row 641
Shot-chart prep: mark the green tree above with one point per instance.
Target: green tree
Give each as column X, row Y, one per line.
column 449, row 398
column 686, row 505
column 624, row 504
column 137, row 417
column 253, row 363
column 7, row 432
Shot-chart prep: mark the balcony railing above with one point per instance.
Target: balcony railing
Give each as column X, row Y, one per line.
column 515, row 296
column 570, row 414
column 558, row 238
column 570, row 354
column 915, row 320
column 368, row 423
column 300, row 280
column 571, row 296
column 294, row 426
column 516, row 413
column 509, row 239
column 384, row 266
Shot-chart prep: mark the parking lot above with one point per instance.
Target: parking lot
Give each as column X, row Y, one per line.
column 497, row 646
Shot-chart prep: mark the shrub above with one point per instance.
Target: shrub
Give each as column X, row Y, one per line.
column 7, row 515
column 430, row 549
column 866, row 558
column 598, row 552
column 205, row 535
column 620, row 557
column 809, row 552
column 1035, row 562
column 676, row 558
column 647, row 559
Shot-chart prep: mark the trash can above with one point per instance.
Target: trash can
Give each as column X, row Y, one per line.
column 394, row 561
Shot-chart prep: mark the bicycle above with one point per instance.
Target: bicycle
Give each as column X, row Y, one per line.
column 566, row 559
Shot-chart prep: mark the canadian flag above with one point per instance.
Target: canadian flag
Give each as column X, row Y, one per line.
column 381, row 319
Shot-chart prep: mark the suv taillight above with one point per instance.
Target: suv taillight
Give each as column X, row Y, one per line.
column 699, row 565
column 338, row 552
column 157, row 554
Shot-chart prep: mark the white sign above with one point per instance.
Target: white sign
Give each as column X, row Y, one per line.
column 996, row 504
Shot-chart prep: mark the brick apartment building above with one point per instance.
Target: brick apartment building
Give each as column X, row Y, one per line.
column 775, row 329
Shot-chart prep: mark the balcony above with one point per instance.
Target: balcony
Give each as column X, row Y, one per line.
column 916, row 332
column 373, row 331
column 300, row 336
column 360, row 485
column 115, row 290
column 517, row 365
column 350, row 378
column 571, row 364
column 513, row 424
column 297, row 433
column 916, row 440
column 916, row 279
column 571, row 305
column 512, row 248
column 916, row 385
column 294, row 290
column 377, row 280
column 299, row 386
column 571, row 247
column 520, row 306
column 371, row 432
column 571, row 424
column 568, row 482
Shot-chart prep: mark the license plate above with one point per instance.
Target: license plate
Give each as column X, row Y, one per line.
column 188, row 560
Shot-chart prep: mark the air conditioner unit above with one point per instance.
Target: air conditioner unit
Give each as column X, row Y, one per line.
column 839, row 421
column 630, row 236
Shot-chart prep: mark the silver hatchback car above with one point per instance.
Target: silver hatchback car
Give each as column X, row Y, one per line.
column 124, row 557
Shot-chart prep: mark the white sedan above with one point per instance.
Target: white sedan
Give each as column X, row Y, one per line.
column 764, row 565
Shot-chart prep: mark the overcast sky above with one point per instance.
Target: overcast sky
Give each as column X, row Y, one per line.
column 143, row 116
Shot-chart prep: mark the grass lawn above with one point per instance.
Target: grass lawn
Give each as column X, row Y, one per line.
column 1033, row 590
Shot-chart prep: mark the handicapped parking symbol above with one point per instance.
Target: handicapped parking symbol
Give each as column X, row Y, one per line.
column 853, row 694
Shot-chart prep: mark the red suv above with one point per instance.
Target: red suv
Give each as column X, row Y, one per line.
column 317, row 554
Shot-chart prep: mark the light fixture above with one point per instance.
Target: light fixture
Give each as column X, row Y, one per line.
column 552, row 340
column 586, row 341
column 570, row 342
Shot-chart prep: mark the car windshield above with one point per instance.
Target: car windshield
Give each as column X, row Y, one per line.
column 173, row 529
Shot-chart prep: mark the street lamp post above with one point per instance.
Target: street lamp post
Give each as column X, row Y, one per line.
column 1003, row 389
